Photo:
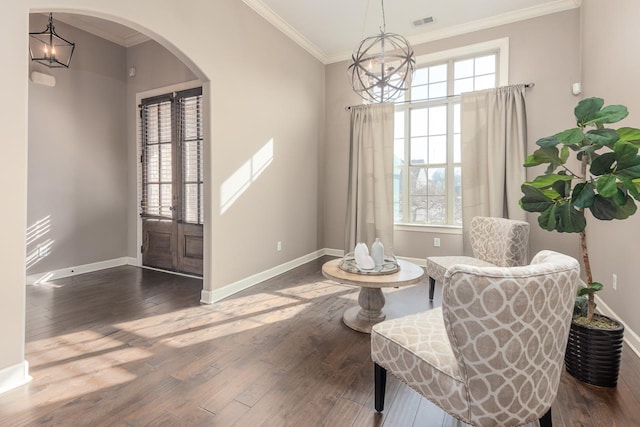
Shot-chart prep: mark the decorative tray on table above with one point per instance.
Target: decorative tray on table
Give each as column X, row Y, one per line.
column 389, row 266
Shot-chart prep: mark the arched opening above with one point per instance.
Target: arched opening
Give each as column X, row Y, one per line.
column 99, row 154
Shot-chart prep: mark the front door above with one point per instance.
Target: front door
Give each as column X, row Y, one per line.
column 172, row 181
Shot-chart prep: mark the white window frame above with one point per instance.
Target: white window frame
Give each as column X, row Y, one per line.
column 499, row 46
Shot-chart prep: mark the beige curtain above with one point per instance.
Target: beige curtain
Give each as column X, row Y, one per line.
column 494, row 141
column 370, row 194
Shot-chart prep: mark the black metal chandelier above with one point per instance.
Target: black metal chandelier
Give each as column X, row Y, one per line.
column 382, row 66
column 50, row 49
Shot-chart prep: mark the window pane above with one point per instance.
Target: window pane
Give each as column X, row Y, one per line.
column 165, row 199
column 165, row 122
column 398, row 152
column 398, row 195
column 438, row 120
column 463, row 85
column 418, row 207
column 419, row 122
column 419, row 151
column 485, row 82
column 419, row 93
column 437, row 181
column 437, row 209
column 457, row 149
column 463, row 69
column 165, row 163
column 153, row 199
column 438, row 73
column 437, row 90
column 457, row 189
column 398, row 124
column 191, row 161
column 151, row 124
column 485, row 65
column 456, row 118
column 418, row 181
column 191, row 203
column 437, row 149
column 420, row 77
column 153, row 163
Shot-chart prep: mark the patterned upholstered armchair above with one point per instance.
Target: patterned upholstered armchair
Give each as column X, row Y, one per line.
column 492, row 355
column 497, row 242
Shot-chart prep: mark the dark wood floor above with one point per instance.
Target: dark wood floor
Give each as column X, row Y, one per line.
column 134, row 347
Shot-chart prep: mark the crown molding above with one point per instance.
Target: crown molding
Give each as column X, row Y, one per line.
column 481, row 24
column 274, row 19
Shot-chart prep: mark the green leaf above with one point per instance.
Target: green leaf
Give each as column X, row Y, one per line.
column 570, row 136
column 609, row 114
column 549, row 141
column 591, row 289
column 606, row 210
column 625, row 152
column 587, row 108
column 564, row 153
column 632, row 187
column 602, row 137
column 620, row 198
column 548, row 218
column 606, row 185
column 629, row 134
column 627, row 209
column 602, row 208
column 583, row 195
column 571, row 220
column 631, row 172
column 602, row 164
column 544, row 155
column 534, row 200
column 547, row 180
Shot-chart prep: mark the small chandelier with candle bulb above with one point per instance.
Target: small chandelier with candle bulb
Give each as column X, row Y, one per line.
column 50, row 49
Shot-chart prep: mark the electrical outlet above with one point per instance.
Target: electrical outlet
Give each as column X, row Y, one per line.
column 279, row 246
column 436, row 242
column 614, row 282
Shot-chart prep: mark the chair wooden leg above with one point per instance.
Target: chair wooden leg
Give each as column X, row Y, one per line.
column 380, row 385
column 545, row 421
column 432, row 287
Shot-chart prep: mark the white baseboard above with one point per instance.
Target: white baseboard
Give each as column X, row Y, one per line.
column 79, row 269
column 422, row 262
column 14, row 376
column 210, row 297
column 333, row 252
column 630, row 337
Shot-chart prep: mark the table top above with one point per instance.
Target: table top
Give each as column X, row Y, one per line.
column 409, row 274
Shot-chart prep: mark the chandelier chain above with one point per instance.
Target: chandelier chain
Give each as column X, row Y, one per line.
column 384, row 20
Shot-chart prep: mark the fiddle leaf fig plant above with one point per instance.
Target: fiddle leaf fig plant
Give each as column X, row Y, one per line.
column 606, row 182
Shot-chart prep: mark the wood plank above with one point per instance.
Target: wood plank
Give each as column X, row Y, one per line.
column 135, row 347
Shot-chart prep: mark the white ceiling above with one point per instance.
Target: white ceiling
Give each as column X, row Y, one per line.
column 331, row 29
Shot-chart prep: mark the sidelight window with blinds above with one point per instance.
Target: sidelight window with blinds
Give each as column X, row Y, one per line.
column 171, row 157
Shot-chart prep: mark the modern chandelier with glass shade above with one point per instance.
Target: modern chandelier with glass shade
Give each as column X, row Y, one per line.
column 382, row 66
column 50, row 49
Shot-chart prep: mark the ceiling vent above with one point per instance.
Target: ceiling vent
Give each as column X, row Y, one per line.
column 423, row 21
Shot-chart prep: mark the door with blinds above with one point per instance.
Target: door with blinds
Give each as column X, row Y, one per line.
column 172, row 181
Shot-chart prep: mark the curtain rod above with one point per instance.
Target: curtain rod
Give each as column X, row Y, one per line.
column 526, row 85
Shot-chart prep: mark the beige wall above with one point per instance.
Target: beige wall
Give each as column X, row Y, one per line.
column 156, row 67
column 77, row 178
column 610, row 71
column 265, row 93
column 542, row 50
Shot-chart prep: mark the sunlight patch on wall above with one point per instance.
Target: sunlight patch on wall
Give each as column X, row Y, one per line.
column 36, row 248
column 234, row 186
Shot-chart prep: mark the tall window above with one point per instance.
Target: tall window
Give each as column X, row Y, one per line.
column 172, row 161
column 427, row 159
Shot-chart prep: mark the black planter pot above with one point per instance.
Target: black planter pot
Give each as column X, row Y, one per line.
column 593, row 355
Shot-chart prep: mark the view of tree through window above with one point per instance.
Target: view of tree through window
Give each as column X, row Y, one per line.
column 427, row 153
